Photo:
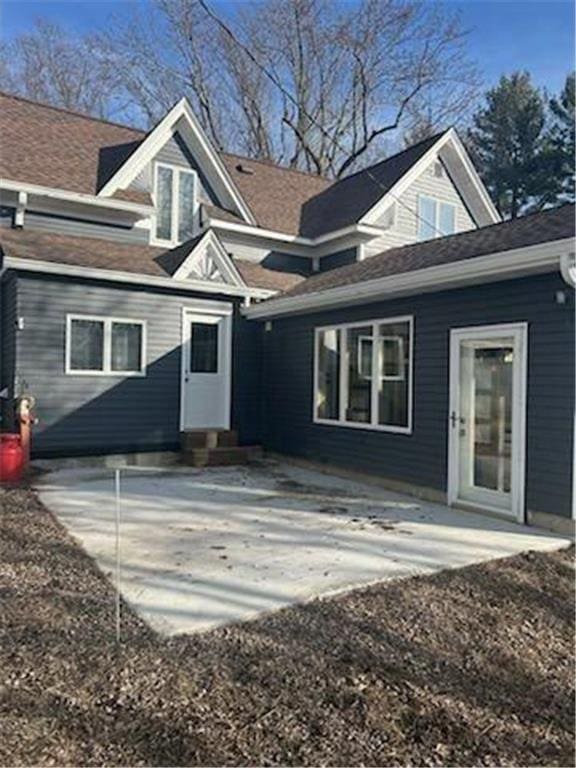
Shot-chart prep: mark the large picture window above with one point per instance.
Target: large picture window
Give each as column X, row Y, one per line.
column 176, row 203
column 105, row 346
column 363, row 375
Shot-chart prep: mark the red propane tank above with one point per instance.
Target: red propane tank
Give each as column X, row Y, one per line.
column 11, row 458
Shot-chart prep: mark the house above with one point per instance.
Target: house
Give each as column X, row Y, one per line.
column 387, row 323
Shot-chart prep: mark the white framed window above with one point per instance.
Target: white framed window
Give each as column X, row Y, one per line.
column 176, row 200
column 363, row 374
column 436, row 218
column 105, row 346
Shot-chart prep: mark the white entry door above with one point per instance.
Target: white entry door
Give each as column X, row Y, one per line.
column 487, row 418
column 206, row 368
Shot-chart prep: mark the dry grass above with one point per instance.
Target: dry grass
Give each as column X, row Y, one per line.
column 468, row 667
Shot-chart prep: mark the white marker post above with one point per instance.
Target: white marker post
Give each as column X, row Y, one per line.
column 117, row 495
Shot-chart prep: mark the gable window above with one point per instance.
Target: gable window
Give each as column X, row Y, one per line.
column 105, row 346
column 435, row 218
column 176, row 203
column 363, row 375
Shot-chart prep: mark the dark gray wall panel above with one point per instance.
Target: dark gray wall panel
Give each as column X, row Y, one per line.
column 85, row 414
column 338, row 259
column 64, row 225
column 8, row 319
column 421, row 458
column 61, row 225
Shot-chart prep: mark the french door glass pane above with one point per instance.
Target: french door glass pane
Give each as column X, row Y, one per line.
column 492, row 417
column 359, row 349
column 393, row 380
column 87, row 345
column 126, row 347
column 186, row 206
column 328, row 395
column 203, row 347
column 164, row 203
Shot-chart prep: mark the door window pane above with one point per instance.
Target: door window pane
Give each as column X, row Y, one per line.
column 86, row 345
column 359, row 351
column 203, row 348
column 328, row 395
column 492, row 417
column 186, row 206
column 164, row 203
column 447, row 220
column 393, row 380
column 426, row 218
column 126, row 347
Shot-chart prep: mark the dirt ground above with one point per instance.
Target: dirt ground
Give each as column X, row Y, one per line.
column 466, row 667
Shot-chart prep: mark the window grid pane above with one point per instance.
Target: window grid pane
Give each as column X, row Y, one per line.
column 186, row 206
column 447, row 223
column 164, row 203
column 359, row 353
column 203, row 348
column 126, row 347
column 328, row 394
column 86, row 345
column 393, row 382
column 426, row 218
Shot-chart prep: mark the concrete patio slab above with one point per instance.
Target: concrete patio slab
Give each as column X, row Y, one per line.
column 200, row 548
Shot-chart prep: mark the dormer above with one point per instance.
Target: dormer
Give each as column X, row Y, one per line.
column 181, row 170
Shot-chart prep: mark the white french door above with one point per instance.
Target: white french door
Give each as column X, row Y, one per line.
column 206, row 368
column 487, row 419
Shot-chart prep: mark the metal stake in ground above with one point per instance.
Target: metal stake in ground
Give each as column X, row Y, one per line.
column 117, row 498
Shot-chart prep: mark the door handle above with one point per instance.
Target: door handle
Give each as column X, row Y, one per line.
column 455, row 419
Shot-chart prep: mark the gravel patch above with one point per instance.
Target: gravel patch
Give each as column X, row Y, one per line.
column 466, row 667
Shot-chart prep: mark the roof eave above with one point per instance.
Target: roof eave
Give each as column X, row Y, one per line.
column 492, row 267
column 135, row 278
column 362, row 232
column 140, row 210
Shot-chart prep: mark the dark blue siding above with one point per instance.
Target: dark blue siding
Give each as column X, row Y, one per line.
column 421, row 458
column 101, row 414
column 337, row 259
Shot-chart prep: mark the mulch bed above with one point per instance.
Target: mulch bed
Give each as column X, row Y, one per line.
column 467, row 667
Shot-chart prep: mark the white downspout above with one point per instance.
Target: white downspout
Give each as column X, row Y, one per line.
column 568, row 272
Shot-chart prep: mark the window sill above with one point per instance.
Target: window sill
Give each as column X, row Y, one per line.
column 110, row 374
column 363, row 425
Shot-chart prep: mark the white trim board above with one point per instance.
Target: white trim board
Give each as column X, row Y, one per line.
column 109, row 275
column 535, row 259
column 79, row 198
column 324, row 245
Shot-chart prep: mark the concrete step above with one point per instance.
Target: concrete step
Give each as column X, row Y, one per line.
column 208, row 438
column 221, row 456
